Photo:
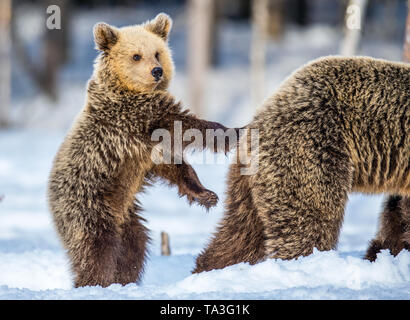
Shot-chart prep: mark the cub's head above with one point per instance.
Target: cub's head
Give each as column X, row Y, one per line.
column 138, row 56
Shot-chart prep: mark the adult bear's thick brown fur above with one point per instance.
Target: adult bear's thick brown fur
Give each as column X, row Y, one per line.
column 106, row 157
column 335, row 126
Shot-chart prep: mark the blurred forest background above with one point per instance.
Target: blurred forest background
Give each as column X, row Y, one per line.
column 229, row 54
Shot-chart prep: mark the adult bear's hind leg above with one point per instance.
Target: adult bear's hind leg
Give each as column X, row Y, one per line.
column 240, row 236
column 300, row 199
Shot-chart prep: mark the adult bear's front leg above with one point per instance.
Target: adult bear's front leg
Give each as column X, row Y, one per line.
column 394, row 228
column 300, row 196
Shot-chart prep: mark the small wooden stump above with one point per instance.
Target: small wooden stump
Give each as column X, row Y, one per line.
column 165, row 248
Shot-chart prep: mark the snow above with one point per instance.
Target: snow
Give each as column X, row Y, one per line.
column 33, row 264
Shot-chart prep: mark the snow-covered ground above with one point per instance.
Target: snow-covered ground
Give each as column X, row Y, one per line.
column 33, row 264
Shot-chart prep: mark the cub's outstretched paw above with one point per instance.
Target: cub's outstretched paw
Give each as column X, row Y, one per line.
column 206, row 198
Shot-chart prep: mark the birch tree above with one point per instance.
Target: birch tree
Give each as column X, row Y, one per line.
column 44, row 73
column 355, row 13
column 200, row 14
column 259, row 37
column 5, row 61
column 406, row 50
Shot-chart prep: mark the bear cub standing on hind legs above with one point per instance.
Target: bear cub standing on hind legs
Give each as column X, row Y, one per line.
column 335, row 126
column 106, row 157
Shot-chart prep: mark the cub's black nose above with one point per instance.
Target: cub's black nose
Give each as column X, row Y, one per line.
column 157, row 73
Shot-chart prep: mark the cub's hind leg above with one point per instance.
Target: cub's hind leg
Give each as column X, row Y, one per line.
column 394, row 228
column 131, row 256
column 93, row 252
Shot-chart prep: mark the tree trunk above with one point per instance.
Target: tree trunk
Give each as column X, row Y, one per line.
column 200, row 14
column 55, row 51
column 55, row 48
column 5, row 62
column 258, row 50
column 275, row 19
column 406, row 51
column 355, row 14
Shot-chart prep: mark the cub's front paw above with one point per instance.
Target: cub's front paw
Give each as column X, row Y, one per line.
column 206, row 198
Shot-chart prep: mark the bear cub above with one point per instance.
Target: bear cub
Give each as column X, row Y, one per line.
column 105, row 160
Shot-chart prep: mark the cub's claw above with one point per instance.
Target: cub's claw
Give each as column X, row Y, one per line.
column 206, row 198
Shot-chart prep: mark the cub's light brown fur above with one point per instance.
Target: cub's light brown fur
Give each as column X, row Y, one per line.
column 335, row 126
column 106, row 157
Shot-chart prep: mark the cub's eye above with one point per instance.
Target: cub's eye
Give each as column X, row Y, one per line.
column 157, row 56
column 136, row 57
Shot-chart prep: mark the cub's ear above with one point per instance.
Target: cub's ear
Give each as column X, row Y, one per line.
column 160, row 25
column 105, row 36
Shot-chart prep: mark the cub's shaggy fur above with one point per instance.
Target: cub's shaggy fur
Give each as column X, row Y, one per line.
column 106, row 157
column 335, row 126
